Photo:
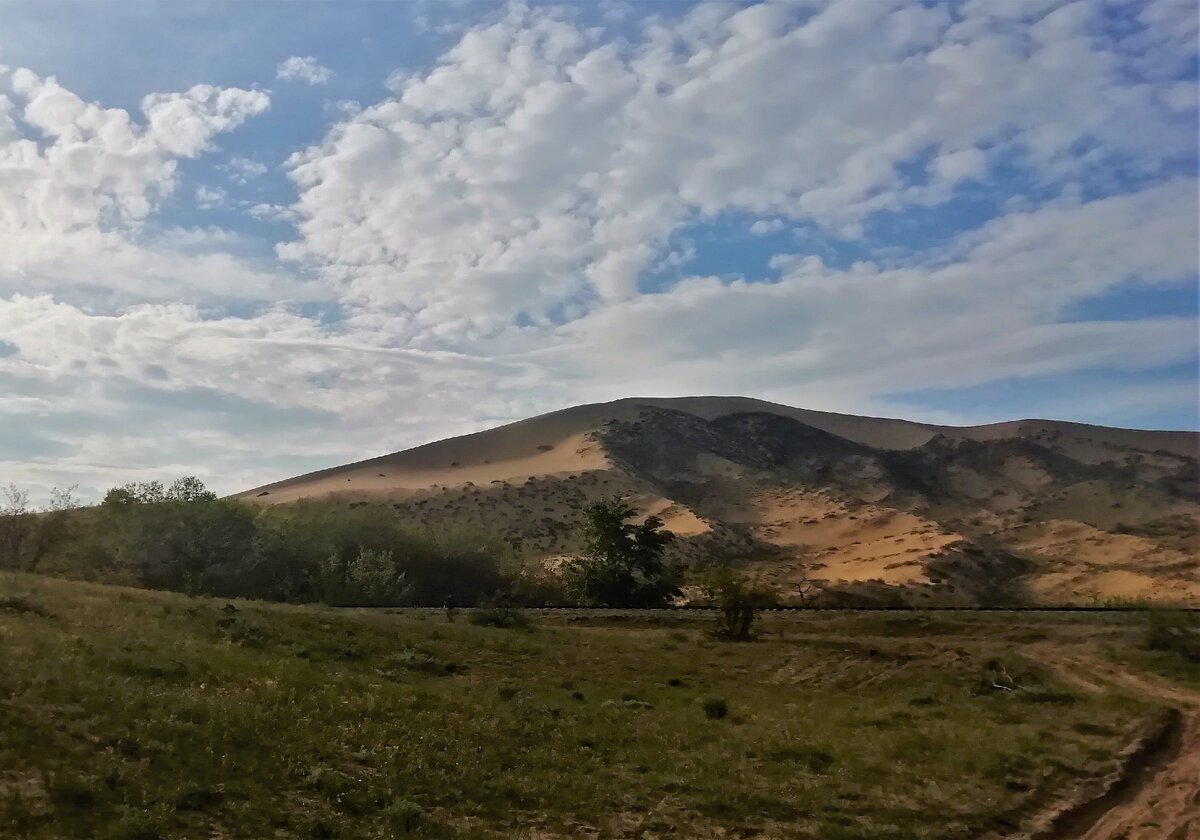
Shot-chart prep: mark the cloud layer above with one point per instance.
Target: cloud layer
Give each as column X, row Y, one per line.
column 508, row 230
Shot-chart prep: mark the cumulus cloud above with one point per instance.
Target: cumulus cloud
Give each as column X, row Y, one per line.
column 767, row 226
column 80, row 182
column 208, row 198
column 987, row 308
column 273, row 212
column 243, row 170
column 95, row 166
column 303, row 69
column 536, row 166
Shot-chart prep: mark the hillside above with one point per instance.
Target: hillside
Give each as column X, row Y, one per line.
column 1039, row 510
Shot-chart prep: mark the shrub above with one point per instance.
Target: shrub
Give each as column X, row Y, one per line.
column 715, row 708
column 737, row 602
column 405, row 817
column 246, row 629
column 370, row 579
column 499, row 616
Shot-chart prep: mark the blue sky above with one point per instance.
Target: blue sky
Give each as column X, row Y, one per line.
column 247, row 239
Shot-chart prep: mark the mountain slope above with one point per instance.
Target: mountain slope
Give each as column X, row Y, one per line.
column 1028, row 510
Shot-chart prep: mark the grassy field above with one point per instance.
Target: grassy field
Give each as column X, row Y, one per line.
column 137, row 715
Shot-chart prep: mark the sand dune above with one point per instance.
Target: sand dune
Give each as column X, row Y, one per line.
column 1070, row 512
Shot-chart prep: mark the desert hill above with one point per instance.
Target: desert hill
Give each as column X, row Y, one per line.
column 1039, row 510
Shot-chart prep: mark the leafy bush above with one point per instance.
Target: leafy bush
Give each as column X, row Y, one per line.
column 737, row 601
column 198, row 547
column 181, row 537
column 405, row 817
column 715, row 708
column 370, row 579
column 622, row 564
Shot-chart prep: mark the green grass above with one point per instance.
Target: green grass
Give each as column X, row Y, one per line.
column 1168, row 646
column 131, row 714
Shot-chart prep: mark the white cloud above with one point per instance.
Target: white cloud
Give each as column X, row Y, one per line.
column 79, row 183
column 767, row 226
column 536, row 167
column 184, row 123
column 273, row 212
column 987, row 309
column 960, row 165
column 243, row 170
column 208, row 198
column 303, row 69
column 95, row 166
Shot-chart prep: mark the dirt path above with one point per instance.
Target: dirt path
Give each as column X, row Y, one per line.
column 1163, row 802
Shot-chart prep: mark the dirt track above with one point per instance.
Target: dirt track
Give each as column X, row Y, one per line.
column 1163, row 802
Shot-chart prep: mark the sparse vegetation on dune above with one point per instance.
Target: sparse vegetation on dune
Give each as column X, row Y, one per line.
column 135, row 714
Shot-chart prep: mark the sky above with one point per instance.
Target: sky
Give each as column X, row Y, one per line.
column 248, row 240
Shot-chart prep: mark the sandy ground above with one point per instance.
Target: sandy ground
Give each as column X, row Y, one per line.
column 1166, row 806
column 476, row 462
column 1093, row 564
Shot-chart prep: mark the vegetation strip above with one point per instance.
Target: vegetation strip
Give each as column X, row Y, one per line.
column 132, row 714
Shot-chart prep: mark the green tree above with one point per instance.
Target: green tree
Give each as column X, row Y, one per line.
column 52, row 526
column 737, row 600
column 188, row 488
column 622, row 564
column 369, row 579
column 28, row 533
column 184, row 538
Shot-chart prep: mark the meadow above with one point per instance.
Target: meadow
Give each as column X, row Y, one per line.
column 130, row 714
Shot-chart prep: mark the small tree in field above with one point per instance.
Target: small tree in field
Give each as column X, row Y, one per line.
column 622, row 564
column 737, row 601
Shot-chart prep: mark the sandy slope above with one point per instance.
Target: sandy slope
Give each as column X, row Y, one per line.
column 515, row 449
column 819, row 496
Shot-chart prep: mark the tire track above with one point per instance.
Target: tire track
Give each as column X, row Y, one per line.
column 1157, row 796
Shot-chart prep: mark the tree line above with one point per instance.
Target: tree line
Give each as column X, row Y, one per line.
column 183, row 537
